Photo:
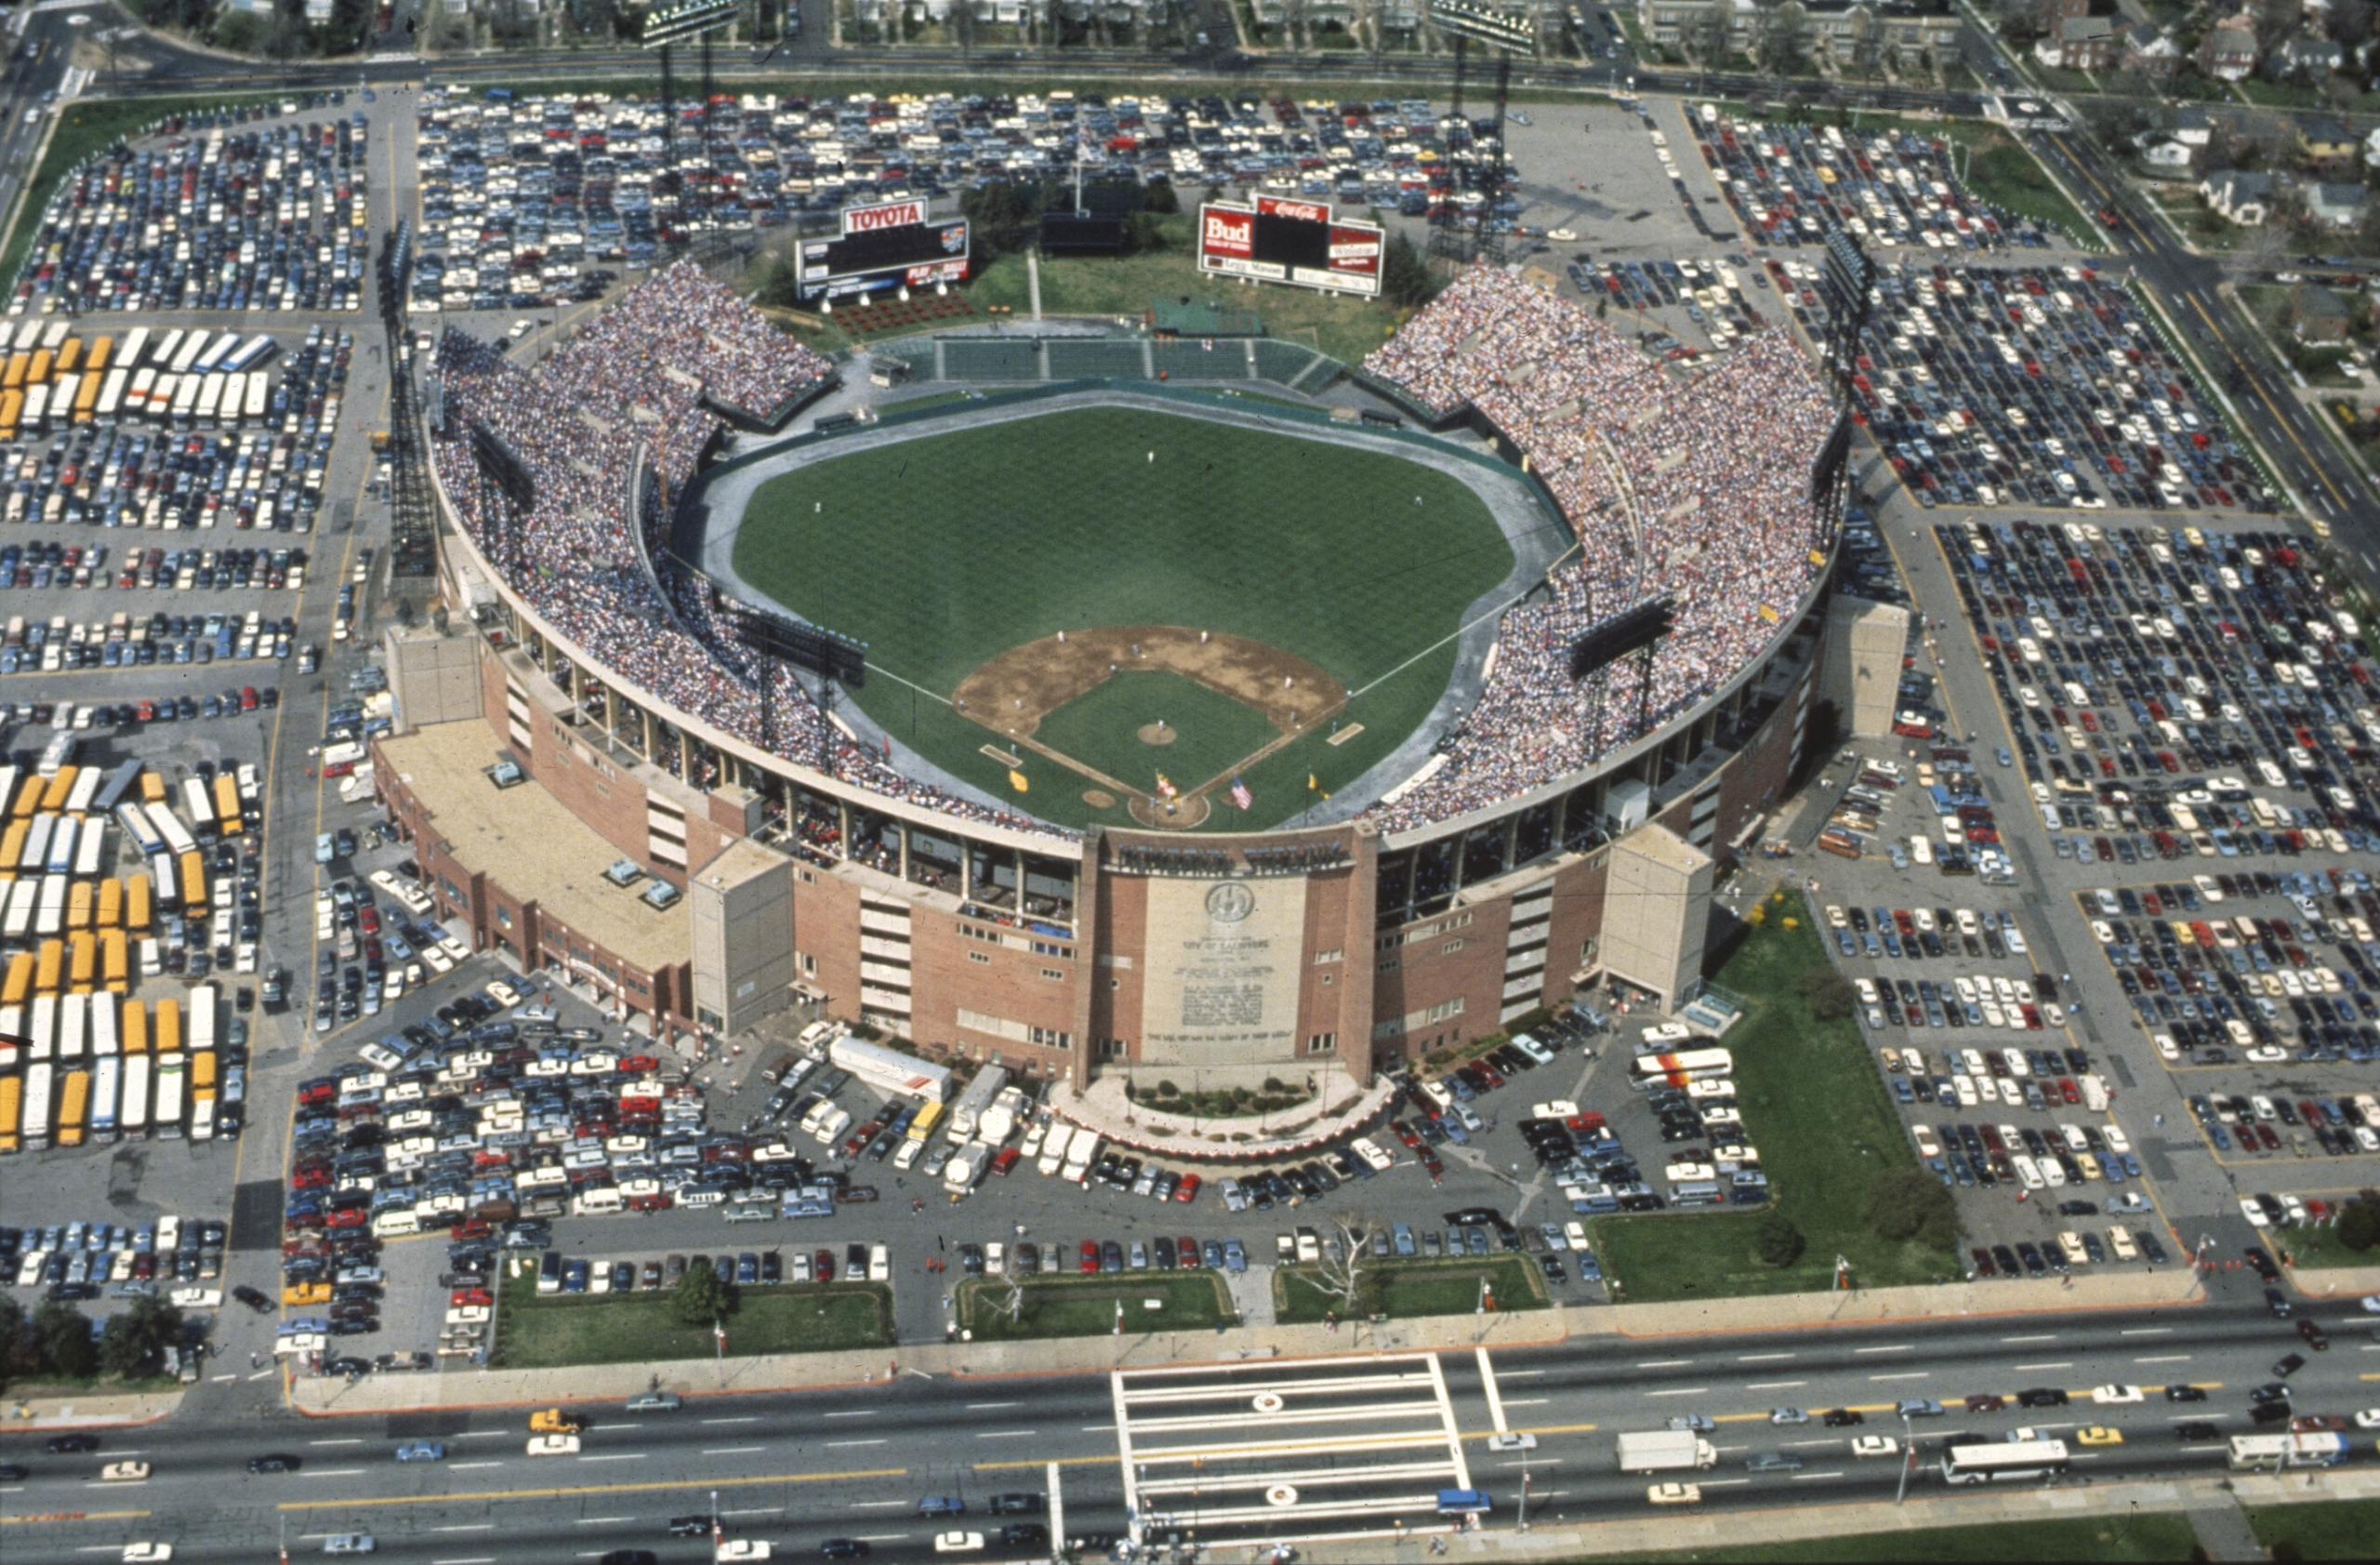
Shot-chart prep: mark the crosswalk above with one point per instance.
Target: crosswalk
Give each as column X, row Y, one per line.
column 1286, row 1453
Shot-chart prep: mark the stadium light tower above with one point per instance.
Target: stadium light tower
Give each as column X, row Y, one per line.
column 1469, row 21
column 663, row 26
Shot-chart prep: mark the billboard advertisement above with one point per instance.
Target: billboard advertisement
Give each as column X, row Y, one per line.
column 1299, row 242
column 889, row 244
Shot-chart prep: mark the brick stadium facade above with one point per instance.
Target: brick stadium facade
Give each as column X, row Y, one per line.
column 1226, row 958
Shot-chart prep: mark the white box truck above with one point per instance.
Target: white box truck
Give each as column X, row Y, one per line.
column 1053, row 1147
column 1079, row 1155
column 1666, row 1451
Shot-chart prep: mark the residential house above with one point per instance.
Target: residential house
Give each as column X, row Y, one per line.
column 2304, row 58
column 2078, row 44
column 2327, row 146
column 2336, row 207
column 2318, row 316
column 2161, row 154
column 2242, row 196
column 2192, row 126
column 2228, row 51
column 2150, row 52
column 1903, row 33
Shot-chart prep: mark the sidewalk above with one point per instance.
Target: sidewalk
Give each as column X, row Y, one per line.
column 696, row 1377
column 76, row 1413
column 2335, row 1282
column 1686, row 1529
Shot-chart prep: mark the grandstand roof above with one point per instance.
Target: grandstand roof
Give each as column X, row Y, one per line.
column 524, row 841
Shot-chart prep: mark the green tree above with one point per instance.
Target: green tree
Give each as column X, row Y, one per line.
column 2358, row 1225
column 1160, row 198
column 701, row 1299
column 65, row 1338
column 134, row 1342
column 1779, row 1242
column 1405, row 279
column 1001, row 217
column 18, row 1357
column 1909, row 1203
column 1143, row 234
column 1828, row 993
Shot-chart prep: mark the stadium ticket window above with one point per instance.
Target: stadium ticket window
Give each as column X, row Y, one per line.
column 934, row 861
column 992, row 876
column 1049, row 890
column 1435, row 868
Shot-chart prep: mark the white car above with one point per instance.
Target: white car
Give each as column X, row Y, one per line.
column 1369, row 1150
column 504, row 994
column 2370, row 1303
column 147, row 1553
column 1875, row 1445
column 2268, row 1053
column 2253, row 1212
column 743, row 1548
column 2368, row 1419
column 2107, row 1395
column 125, row 1472
column 958, row 1543
column 196, row 1298
column 1675, row 1494
column 554, row 1445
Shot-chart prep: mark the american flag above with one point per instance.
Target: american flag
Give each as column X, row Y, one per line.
column 1239, row 794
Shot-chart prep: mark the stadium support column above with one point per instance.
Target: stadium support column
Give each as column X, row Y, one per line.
column 669, row 114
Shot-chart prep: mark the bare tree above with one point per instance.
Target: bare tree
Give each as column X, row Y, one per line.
column 1346, row 1262
column 1003, row 1295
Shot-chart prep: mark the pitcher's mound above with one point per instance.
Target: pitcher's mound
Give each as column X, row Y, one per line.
column 1156, row 733
column 1098, row 798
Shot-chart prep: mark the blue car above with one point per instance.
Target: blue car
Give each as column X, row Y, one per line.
column 421, row 1451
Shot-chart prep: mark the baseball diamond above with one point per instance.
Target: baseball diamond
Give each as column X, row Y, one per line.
column 1067, row 572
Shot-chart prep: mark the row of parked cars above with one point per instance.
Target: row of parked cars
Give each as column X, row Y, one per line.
column 1795, row 183
column 219, row 216
column 83, row 1257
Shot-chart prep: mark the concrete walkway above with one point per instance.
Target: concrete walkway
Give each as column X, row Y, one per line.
column 1686, row 1529
column 75, row 1412
column 465, row 1387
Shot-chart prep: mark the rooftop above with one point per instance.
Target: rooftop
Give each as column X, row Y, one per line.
column 529, row 844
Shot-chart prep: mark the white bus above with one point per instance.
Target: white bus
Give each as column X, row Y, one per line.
column 49, row 916
column 35, row 852
column 201, row 1018
column 106, row 1040
column 2004, row 1462
column 107, row 1093
column 112, row 392
column 60, row 860
column 87, row 783
column 133, row 816
column 73, row 1028
column 43, row 1029
column 185, row 408
column 90, row 850
column 178, row 839
column 210, row 396
column 249, row 354
column 135, row 400
column 135, row 343
column 23, row 898
column 172, row 1079
column 132, row 1109
column 217, row 351
column 40, row 1080
column 1676, row 1071
column 2273, row 1453
column 198, row 798
column 259, row 393
column 186, row 353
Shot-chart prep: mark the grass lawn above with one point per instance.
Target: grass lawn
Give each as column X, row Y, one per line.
column 554, row 1330
column 1814, row 1105
column 1408, row 1289
column 1101, row 727
column 85, row 129
column 1345, row 328
column 1084, row 1307
column 2320, row 1530
column 943, row 551
column 2003, row 173
column 2152, row 1536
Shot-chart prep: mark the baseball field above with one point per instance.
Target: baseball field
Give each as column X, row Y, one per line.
column 1085, row 599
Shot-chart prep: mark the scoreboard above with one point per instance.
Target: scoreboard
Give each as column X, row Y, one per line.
column 893, row 243
column 1295, row 242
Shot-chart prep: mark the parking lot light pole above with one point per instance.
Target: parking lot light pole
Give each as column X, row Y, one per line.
column 1908, row 1458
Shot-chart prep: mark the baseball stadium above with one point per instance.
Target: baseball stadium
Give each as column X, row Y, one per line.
column 1161, row 723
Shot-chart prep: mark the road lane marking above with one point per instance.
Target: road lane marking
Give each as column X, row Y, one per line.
column 475, row 1559
column 467, row 1466
column 876, row 1504
column 1520, row 1374
column 1664, row 1363
column 757, row 1510
column 601, row 1521
column 468, row 1527
column 617, row 1457
column 1684, row 1391
column 335, row 1472
column 1912, row 1374
column 987, row 1407
column 1527, row 1401
column 747, row 1418
column 357, row 1440
column 1897, row 1347
column 836, row 1445
column 1003, row 1434
column 731, row 1449
column 2045, row 1336
column 567, row 1492
column 1775, row 1384
column 2146, row 1331
column 881, row 1537
column 2061, row 1364
column 1759, row 1357
column 855, row 1412
column 2165, row 1358
column 1805, row 1478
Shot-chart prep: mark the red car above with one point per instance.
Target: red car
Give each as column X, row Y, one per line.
column 354, row 1217
column 1187, row 1191
column 1090, row 1256
column 462, row 1296
column 821, row 1265
column 1006, row 1161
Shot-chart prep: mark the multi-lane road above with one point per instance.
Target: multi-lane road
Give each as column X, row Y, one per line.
column 1231, row 1452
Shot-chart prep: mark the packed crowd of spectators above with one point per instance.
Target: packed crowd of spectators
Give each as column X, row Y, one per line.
column 1692, row 483
column 623, row 400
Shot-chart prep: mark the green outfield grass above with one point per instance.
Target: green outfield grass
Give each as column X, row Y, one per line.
column 1102, row 727
column 945, row 549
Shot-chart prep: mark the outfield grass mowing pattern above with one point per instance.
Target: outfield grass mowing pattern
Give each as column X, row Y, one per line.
column 943, row 551
column 1816, row 1108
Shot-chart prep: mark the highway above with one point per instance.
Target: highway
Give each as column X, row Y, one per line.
column 1357, row 1443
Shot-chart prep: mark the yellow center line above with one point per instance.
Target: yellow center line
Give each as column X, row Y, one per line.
column 565, row 1493
column 1059, row 1460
